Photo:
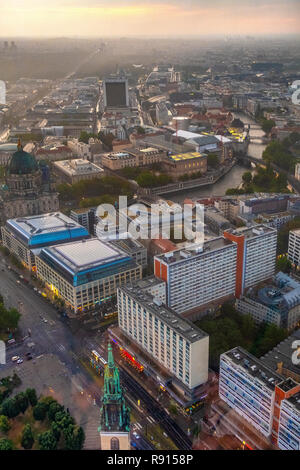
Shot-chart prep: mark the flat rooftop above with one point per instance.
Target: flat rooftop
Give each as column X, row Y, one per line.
column 254, row 366
column 181, row 325
column 129, row 245
column 78, row 167
column 147, row 283
column 84, row 254
column 252, row 232
column 195, row 249
column 282, row 353
column 38, row 228
column 295, row 401
column 186, row 156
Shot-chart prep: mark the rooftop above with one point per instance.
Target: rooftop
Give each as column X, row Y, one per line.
column 78, row 166
column 182, row 326
column 254, row 366
column 282, row 353
column 84, row 254
column 195, row 249
column 252, row 232
column 129, row 245
column 38, row 228
column 186, row 156
column 295, row 400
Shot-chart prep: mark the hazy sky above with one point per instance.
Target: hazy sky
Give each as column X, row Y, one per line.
column 148, row 17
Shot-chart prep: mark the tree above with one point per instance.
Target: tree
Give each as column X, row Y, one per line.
column 267, row 125
column 4, row 424
column 247, row 177
column 6, row 444
column 27, row 439
column 283, row 264
column 31, row 395
column 47, row 441
column 22, row 402
column 74, row 437
column 40, row 411
column 63, row 419
column 9, row 408
column 54, row 408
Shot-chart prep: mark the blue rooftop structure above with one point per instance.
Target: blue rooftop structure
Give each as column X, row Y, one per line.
column 46, row 229
column 283, row 296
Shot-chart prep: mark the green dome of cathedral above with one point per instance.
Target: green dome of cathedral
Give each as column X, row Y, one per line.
column 22, row 163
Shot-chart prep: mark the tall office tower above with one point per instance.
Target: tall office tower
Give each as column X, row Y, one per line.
column 256, row 255
column 115, row 93
column 198, row 275
column 174, row 344
column 266, row 399
column 114, row 426
column 294, row 247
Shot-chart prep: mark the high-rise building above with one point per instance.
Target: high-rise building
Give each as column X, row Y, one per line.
column 198, row 275
column 222, row 267
column 256, row 255
column 114, row 426
column 172, row 343
column 115, row 93
column 294, row 247
column 263, row 397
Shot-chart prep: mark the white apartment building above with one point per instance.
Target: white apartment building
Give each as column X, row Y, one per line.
column 289, row 424
column 256, row 257
column 260, row 254
column 173, row 342
column 199, row 274
column 248, row 386
column 294, row 247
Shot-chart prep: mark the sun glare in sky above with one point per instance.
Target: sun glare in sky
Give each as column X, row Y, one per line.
column 148, row 17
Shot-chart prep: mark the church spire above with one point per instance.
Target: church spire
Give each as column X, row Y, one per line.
column 110, row 357
column 114, row 414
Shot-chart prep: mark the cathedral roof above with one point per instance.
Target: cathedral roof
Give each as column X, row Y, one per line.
column 22, row 163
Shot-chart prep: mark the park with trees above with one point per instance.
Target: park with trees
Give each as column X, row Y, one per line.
column 28, row 422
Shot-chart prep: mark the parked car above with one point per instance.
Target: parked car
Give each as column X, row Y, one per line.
column 15, row 358
column 19, row 361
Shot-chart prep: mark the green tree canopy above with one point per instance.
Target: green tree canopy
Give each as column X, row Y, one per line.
column 27, row 439
column 4, row 423
column 47, row 441
column 6, row 444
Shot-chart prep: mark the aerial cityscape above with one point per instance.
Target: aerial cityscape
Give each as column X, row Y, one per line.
column 150, row 227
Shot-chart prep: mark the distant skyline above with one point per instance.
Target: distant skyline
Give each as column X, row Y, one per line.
column 96, row 18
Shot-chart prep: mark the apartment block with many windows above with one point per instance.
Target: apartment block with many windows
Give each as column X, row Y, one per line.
column 199, row 274
column 173, row 342
column 294, row 247
column 263, row 397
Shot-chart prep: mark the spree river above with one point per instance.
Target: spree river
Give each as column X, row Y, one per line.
column 234, row 178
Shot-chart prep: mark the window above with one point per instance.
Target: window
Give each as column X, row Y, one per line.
column 114, row 443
